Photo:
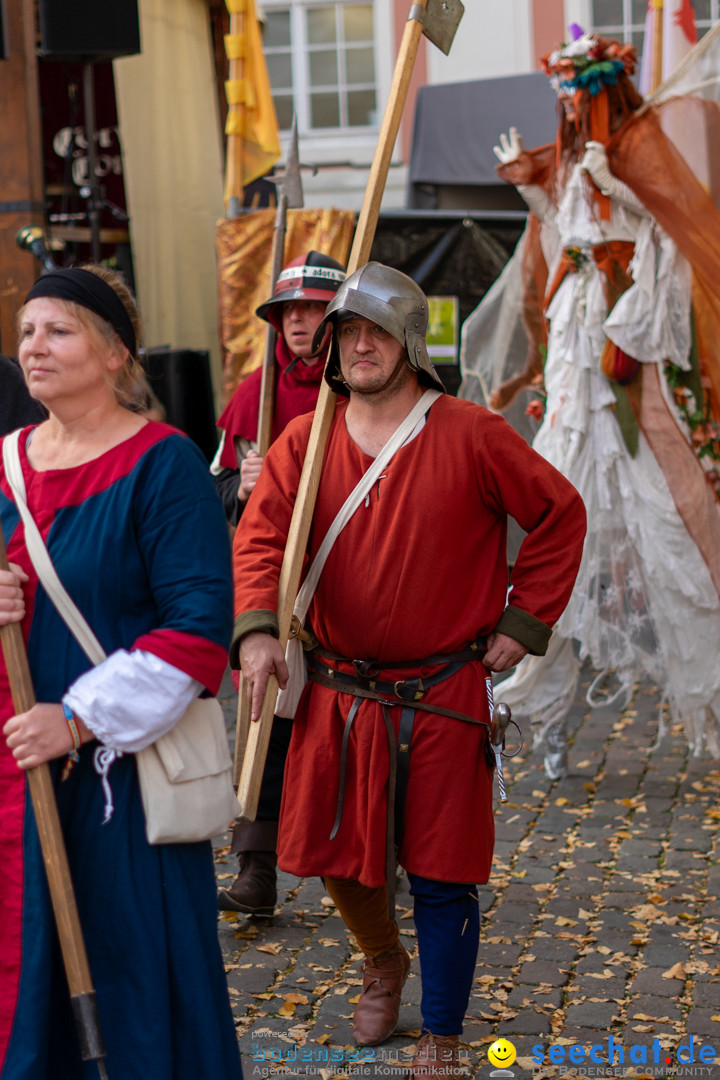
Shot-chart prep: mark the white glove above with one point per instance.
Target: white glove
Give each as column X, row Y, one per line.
column 595, row 163
column 510, row 148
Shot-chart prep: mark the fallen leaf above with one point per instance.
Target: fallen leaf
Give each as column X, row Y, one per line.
column 322, row 1039
column 295, row 999
column 326, row 942
column 677, row 971
column 273, row 947
column 286, row 1010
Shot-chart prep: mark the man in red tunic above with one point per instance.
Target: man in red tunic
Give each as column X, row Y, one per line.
column 296, row 309
column 388, row 756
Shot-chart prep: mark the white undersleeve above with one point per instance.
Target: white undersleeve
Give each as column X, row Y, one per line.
column 131, row 699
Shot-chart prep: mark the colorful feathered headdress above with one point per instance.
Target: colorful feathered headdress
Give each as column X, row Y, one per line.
column 588, row 62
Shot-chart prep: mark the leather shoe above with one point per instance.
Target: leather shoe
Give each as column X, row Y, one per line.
column 437, row 1057
column 377, row 1011
column 254, row 890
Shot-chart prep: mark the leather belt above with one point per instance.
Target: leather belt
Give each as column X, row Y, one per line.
column 406, row 693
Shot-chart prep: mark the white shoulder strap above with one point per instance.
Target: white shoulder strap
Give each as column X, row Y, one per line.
column 356, row 496
column 75, row 620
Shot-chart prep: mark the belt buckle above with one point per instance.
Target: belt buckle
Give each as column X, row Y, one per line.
column 417, row 694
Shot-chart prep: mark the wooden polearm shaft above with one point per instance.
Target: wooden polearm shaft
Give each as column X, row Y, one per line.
column 259, row 733
column 269, row 370
column 657, row 45
column 52, row 845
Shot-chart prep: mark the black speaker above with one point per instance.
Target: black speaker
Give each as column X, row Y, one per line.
column 181, row 379
column 89, row 29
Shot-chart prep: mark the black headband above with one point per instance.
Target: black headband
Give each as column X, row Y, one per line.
column 91, row 292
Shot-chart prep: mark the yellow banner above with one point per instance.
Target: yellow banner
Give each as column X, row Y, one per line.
column 253, row 144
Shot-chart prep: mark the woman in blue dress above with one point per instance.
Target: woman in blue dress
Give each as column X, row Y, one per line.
column 137, row 534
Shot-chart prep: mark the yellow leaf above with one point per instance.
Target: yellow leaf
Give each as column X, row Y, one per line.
column 715, row 1017
column 354, row 1001
column 286, row 1010
column 328, row 941
column 519, row 873
column 677, row 971
column 561, row 801
column 562, row 921
column 273, row 947
column 295, row 999
column 322, row 1039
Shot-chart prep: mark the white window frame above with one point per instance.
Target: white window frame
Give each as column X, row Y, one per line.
column 580, row 11
column 352, row 146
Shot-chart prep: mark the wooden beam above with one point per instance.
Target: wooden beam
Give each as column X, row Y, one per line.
column 21, row 169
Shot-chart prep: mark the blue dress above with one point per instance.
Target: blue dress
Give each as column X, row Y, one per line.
column 139, row 540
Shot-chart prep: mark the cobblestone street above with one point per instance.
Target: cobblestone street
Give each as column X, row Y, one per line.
column 600, row 923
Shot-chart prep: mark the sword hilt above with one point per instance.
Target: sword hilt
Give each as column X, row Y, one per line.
column 501, row 717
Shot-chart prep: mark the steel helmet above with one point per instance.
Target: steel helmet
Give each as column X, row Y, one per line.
column 310, row 277
column 390, row 299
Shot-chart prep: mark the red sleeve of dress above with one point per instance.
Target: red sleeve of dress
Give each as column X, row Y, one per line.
column 260, row 539
column 545, row 505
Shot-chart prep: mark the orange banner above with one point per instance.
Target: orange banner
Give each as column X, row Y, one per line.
column 243, row 248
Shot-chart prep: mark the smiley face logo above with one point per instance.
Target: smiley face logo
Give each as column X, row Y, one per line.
column 502, row 1053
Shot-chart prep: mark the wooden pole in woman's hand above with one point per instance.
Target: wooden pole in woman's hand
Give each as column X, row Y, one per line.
column 52, row 844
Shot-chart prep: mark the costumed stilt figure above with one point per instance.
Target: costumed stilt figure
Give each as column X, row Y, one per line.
column 624, row 395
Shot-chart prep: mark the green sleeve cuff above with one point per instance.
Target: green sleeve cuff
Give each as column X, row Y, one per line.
column 526, row 629
column 266, row 622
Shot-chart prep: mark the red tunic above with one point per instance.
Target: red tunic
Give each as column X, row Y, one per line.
column 296, row 392
column 420, row 569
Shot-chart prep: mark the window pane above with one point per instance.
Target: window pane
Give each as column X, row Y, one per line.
column 323, row 68
column 702, row 9
column 638, row 39
column 360, row 66
column 283, row 110
column 279, row 67
column 638, row 12
column 321, row 26
column 607, row 13
column 358, row 23
column 324, row 110
column 277, row 29
column 361, row 108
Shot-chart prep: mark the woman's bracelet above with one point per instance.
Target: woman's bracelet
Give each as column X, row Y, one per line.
column 74, row 755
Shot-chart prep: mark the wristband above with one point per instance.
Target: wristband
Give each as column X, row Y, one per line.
column 73, row 757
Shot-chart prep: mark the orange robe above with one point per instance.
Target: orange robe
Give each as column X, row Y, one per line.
column 420, row 569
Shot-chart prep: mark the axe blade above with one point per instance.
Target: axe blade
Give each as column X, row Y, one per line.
column 289, row 181
column 440, row 22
